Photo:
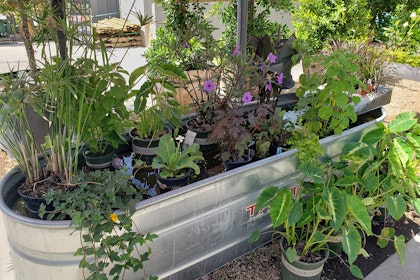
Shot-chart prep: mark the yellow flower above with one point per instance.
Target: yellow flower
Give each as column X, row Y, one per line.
column 114, row 218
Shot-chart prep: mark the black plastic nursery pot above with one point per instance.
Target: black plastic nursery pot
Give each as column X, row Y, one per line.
column 201, row 226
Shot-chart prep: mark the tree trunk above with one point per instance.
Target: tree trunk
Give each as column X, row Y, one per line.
column 26, row 36
column 59, row 14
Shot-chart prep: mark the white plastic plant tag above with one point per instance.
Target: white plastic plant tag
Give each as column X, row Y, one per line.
column 189, row 138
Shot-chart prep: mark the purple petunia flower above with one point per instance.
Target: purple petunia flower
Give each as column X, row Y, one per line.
column 269, row 86
column 280, row 78
column 262, row 67
column 247, row 97
column 272, row 58
column 209, row 86
column 235, row 51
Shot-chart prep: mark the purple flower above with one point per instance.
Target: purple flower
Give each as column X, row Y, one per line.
column 272, row 58
column 118, row 163
column 262, row 67
column 247, row 97
column 280, row 78
column 209, row 86
column 235, row 51
column 269, row 86
column 186, row 45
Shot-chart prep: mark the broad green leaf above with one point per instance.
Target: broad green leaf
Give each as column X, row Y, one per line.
column 387, row 233
column 402, row 122
column 341, row 100
column 396, row 206
column 280, row 207
column 325, row 112
column 355, row 270
column 351, row 243
column 137, row 73
column 399, row 245
column 358, row 210
column 414, row 141
column 336, row 202
column 312, row 171
column 368, row 201
column 266, row 197
column 371, row 182
column 403, row 151
column 395, row 163
column 347, row 181
column 373, row 136
column 296, row 213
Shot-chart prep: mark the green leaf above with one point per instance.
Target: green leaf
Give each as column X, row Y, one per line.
column 387, row 233
column 396, row 206
column 291, row 254
column 403, row 151
column 266, row 197
column 416, row 205
column 336, row 202
column 312, row 171
column 254, row 236
column 399, row 245
column 395, row 163
column 295, row 213
column 347, row 181
column 359, row 211
column 137, row 73
column 355, row 270
column 373, row 136
column 325, row 112
column 402, row 122
column 281, row 207
column 341, row 100
column 351, row 243
column 371, row 182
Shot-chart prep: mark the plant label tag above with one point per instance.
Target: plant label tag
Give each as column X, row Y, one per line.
column 189, row 138
column 279, row 150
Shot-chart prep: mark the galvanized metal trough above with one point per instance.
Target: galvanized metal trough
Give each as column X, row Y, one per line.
column 201, row 226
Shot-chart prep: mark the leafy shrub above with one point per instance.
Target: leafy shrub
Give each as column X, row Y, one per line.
column 259, row 23
column 404, row 33
column 320, row 22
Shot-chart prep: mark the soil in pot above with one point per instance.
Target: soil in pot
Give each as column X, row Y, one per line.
column 201, row 135
column 146, row 147
column 32, row 195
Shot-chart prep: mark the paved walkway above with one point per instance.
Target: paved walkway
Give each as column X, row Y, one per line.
column 13, row 57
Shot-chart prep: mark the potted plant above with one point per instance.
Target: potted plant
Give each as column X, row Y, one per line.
column 270, row 130
column 341, row 197
column 327, row 99
column 101, row 205
column 106, row 90
column 151, row 121
column 174, row 164
column 303, row 229
column 240, row 74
